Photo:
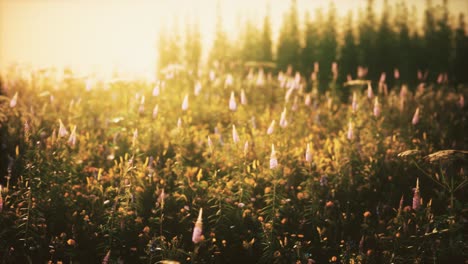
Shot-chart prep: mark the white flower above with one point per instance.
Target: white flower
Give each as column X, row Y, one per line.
column 156, row 90
column 308, row 155
column 354, row 104
column 72, row 138
column 243, row 98
column 350, row 131
column 155, row 111
column 232, row 102
column 377, row 107
column 415, row 119
column 185, row 103
column 283, row 121
column 235, row 136
column 197, row 88
column 271, row 128
column 62, row 130
column 198, row 229
column 308, row 100
column 14, row 100
column 179, row 123
column 229, row 80
column 370, row 93
column 246, row 147
column 273, row 159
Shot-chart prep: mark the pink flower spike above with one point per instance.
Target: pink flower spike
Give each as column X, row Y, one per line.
column 14, row 100
column 198, row 229
column 232, row 102
column 350, row 131
column 271, row 128
column 308, row 155
column 235, row 136
column 273, row 159
column 415, row 119
column 185, row 103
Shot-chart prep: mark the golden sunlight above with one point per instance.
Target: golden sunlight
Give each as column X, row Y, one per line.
column 107, row 36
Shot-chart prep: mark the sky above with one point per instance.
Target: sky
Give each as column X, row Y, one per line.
column 103, row 35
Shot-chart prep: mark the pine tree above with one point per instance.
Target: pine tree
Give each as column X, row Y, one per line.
column 404, row 42
column 266, row 41
column 443, row 37
column 460, row 61
column 193, row 46
column 221, row 49
column 251, row 42
column 288, row 52
column 429, row 36
column 349, row 53
column 328, row 44
column 367, row 40
column 309, row 53
column 385, row 41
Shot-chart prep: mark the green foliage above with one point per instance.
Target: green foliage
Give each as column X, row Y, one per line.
column 132, row 184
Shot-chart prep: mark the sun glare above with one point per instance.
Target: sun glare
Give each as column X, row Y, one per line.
column 119, row 36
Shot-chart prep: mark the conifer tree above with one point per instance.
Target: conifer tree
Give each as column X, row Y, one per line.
column 460, row 62
column 266, row 41
column 309, row 53
column 349, row 53
column 385, row 41
column 288, row 52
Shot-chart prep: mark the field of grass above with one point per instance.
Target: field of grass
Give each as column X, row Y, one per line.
column 284, row 172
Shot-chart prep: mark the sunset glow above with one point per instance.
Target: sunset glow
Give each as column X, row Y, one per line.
column 103, row 36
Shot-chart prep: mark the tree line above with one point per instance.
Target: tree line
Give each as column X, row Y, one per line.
column 390, row 42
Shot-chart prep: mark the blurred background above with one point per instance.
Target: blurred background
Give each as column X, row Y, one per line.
column 127, row 36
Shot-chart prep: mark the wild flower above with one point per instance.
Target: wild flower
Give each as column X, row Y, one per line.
column 243, row 98
column 308, row 100
column 62, row 130
column 185, row 103
column 271, row 128
column 232, row 102
column 382, row 77
column 350, row 131
column 461, row 101
column 246, row 148
column 396, row 74
column 179, row 123
column 155, row 111
column 416, row 197
column 229, row 80
column 283, row 121
column 14, row 100
column 415, row 119
column 308, row 154
column 72, row 139
column 260, row 78
column 377, row 107
column 197, row 88
column 156, row 90
column 370, row 93
column 273, row 159
column 235, row 136
column 198, row 229
column 354, row 104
